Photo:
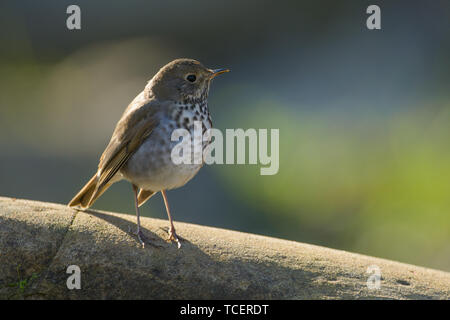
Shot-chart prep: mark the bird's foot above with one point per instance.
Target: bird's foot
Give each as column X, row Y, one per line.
column 173, row 237
column 140, row 235
column 142, row 239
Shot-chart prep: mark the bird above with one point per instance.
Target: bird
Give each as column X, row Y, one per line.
column 139, row 150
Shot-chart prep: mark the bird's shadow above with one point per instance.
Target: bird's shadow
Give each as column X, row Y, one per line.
column 150, row 237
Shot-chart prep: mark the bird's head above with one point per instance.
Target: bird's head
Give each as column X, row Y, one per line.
column 183, row 80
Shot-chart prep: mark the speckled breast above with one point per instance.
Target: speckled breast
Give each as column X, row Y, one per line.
column 151, row 167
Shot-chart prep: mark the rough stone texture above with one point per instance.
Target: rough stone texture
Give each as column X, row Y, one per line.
column 38, row 241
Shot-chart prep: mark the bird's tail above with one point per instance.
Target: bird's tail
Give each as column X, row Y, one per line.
column 87, row 196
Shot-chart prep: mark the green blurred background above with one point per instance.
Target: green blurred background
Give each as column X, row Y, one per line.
column 364, row 116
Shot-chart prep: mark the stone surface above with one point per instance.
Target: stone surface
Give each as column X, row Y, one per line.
column 38, row 241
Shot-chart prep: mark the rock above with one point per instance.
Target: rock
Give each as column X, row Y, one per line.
column 39, row 241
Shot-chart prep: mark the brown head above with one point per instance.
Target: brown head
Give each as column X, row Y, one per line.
column 183, row 80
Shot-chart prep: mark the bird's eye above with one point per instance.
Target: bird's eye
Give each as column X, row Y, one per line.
column 191, row 78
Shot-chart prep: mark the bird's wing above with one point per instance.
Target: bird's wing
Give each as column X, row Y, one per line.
column 133, row 128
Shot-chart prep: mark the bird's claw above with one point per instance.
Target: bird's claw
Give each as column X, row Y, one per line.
column 173, row 237
column 140, row 236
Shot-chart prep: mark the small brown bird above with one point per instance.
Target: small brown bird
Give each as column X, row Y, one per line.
column 140, row 147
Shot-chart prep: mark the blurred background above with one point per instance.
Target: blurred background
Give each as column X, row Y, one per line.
column 364, row 116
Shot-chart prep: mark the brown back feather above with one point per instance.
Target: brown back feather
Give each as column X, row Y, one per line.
column 133, row 128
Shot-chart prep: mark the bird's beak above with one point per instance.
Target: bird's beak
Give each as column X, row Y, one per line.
column 216, row 72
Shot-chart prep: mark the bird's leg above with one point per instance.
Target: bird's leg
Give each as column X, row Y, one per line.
column 172, row 233
column 138, row 232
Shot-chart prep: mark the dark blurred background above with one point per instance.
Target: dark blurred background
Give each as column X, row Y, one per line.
column 363, row 115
